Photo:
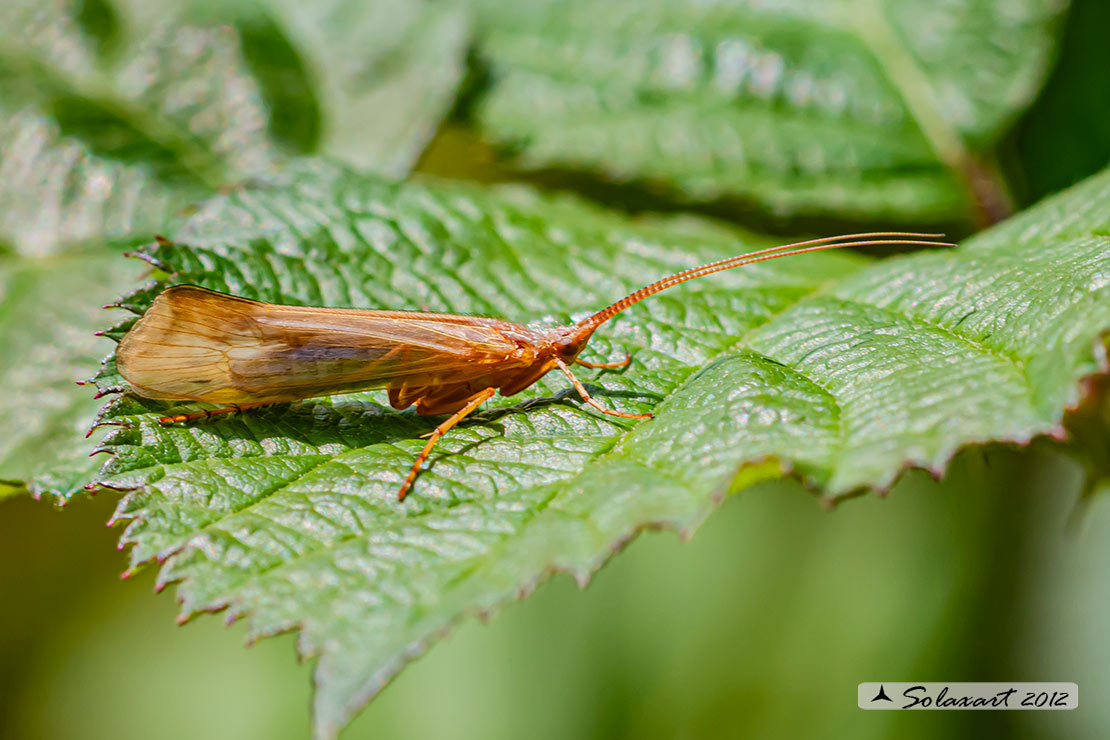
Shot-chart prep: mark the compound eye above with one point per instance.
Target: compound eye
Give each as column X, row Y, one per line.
column 568, row 347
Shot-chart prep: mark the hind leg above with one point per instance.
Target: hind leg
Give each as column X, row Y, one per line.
column 208, row 414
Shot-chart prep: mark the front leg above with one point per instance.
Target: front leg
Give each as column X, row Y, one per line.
column 606, row 365
column 586, row 396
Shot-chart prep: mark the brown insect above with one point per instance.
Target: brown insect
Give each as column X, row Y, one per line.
column 194, row 344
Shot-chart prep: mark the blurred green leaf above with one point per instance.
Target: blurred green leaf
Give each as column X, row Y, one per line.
column 844, row 371
column 49, row 310
column 175, row 95
column 113, row 116
column 1064, row 137
column 104, row 146
column 54, row 192
column 386, row 72
column 857, row 108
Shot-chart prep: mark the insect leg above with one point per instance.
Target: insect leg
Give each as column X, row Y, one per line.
column 586, row 396
column 620, row 363
column 207, row 414
column 438, row 432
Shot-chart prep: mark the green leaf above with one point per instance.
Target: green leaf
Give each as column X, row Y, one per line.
column 108, row 126
column 174, row 94
column 844, row 371
column 49, row 310
column 858, row 108
column 385, row 71
column 104, row 145
column 54, row 192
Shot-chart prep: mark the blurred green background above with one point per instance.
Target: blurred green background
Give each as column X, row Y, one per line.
column 761, row 626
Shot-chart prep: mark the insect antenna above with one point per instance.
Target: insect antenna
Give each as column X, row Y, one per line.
column 874, row 238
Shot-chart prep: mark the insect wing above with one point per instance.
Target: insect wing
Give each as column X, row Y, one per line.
column 200, row 345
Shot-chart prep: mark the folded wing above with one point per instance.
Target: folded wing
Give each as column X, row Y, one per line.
column 200, row 345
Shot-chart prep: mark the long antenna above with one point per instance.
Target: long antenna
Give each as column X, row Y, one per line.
column 783, row 250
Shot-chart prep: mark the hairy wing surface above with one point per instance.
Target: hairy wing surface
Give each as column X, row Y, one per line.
column 197, row 344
